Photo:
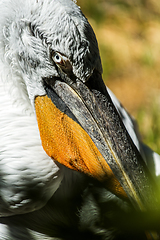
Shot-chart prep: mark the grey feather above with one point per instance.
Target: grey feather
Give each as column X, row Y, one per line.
column 38, row 199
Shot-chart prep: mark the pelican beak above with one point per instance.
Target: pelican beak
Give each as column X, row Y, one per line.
column 81, row 129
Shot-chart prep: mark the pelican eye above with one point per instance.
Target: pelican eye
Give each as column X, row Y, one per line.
column 58, row 58
column 62, row 61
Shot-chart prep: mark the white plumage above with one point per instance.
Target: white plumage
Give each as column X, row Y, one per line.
column 31, row 207
column 21, row 157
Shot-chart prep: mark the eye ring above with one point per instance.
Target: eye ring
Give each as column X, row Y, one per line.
column 57, row 58
column 62, row 61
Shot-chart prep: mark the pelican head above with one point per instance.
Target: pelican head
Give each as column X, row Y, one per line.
column 42, row 39
column 50, row 55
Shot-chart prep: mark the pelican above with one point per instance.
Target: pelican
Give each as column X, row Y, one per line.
column 71, row 162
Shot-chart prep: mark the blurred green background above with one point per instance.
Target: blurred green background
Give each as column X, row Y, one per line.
column 128, row 33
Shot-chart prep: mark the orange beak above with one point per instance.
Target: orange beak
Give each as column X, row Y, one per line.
column 81, row 129
column 67, row 142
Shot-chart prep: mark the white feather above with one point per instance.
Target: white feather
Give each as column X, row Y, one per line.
column 28, row 176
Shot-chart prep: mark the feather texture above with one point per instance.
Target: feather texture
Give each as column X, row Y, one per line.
column 40, row 199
